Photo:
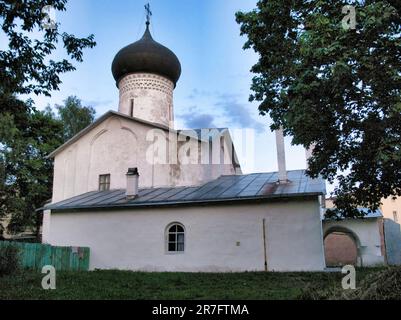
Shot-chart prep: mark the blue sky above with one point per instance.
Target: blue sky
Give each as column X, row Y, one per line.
column 214, row 86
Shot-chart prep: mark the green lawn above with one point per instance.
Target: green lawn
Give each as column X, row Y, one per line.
column 138, row 285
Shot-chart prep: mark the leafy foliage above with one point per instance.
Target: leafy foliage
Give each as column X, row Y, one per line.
column 26, row 139
column 24, row 67
column 27, row 135
column 74, row 116
column 27, row 176
column 10, row 261
column 333, row 88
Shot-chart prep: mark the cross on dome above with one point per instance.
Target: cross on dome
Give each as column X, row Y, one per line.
column 148, row 13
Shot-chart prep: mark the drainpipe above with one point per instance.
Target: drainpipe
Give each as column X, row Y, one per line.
column 264, row 244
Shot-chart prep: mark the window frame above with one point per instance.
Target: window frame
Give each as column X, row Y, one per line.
column 107, row 183
column 176, row 233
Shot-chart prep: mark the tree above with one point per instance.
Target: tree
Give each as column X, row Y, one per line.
column 334, row 87
column 74, row 116
column 25, row 67
column 27, row 175
column 28, row 135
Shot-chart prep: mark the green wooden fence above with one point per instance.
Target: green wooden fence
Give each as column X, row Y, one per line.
column 36, row 255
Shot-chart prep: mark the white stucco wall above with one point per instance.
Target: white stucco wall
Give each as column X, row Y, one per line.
column 117, row 144
column 152, row 97
column 135, row 239
column 369, row 241
column 391, row 208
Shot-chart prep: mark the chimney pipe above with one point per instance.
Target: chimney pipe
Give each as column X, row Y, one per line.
column 282, row 171
column 132, row 183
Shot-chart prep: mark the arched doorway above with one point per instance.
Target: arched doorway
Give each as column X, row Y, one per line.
column 341, row 247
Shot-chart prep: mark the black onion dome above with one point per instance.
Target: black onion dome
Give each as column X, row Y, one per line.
column 146, row 55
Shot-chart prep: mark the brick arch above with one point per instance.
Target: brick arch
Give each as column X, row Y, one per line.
column 347, row 240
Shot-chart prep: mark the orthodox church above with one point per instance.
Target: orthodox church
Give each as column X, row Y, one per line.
column 145, row 196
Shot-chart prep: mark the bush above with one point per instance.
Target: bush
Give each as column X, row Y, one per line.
column 9, row 259
column 380, row 285
column 383, row 285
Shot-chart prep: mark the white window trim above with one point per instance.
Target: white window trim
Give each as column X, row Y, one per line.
column 166, row 239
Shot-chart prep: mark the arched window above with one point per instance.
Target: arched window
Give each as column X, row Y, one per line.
column 175, row 238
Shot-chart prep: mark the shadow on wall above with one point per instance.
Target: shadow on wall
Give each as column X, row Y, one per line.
column 392, row 234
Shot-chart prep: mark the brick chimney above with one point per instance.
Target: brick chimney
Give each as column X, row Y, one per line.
column 132, row 183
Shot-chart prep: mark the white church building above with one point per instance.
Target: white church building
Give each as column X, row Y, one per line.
column 145, row 196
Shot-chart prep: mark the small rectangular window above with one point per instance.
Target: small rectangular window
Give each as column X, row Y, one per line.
column 395, row 215
column 131, row 112
column 104, row 182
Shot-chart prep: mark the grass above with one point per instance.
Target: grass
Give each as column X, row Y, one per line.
column 139, row 285
column 383, row 284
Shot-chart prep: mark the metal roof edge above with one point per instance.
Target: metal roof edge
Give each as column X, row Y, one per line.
column 126, row 206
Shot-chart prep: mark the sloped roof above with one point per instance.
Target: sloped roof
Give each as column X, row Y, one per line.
column 101, row 119
column 193, row 133
column 233, row 188
column 371, row 214
column 368, row 214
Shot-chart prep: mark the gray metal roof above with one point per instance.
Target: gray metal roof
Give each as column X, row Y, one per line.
column 250, row 187
column 368, row 214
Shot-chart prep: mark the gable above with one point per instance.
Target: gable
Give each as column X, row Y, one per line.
column 97, row 123
column 192, row 133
